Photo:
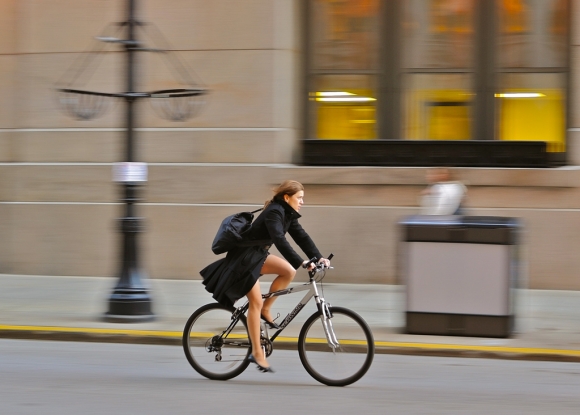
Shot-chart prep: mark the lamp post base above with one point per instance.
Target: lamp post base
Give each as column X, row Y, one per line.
column 129, row 306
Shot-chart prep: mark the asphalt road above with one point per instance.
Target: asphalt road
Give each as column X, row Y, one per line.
column 66, row 378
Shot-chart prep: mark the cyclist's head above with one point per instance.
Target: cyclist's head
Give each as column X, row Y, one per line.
column 288, row 187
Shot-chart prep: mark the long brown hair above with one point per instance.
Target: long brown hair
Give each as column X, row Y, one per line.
column 287, row 187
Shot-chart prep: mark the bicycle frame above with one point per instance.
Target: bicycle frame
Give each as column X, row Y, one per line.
column 321, row 304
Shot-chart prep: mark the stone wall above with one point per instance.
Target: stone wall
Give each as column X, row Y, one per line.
column 59, row 206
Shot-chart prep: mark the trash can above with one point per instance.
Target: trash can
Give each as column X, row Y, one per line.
column 460, row 274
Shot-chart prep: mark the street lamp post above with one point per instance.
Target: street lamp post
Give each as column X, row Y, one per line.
column 130, row 300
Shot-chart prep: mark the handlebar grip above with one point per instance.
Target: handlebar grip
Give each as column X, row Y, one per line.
column 330, row 257
column 307, row 264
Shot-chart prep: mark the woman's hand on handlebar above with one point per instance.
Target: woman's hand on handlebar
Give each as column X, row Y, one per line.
column 311, row 264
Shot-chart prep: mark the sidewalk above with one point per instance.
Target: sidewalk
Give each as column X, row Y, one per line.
column 72, row 308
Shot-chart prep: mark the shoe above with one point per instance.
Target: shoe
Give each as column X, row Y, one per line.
column 270, row 324
column 261, row 368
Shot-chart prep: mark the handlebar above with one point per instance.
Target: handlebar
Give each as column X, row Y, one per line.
column 318, row 266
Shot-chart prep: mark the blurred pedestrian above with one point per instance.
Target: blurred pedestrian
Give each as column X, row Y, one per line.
column 444, row 195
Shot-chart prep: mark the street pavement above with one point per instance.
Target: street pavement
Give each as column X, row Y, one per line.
column 547, row 323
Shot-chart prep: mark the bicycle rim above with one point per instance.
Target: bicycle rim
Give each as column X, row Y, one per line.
column 212, row 355
column 344, row 364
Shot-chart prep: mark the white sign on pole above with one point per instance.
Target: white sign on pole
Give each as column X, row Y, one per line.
column 130, row 172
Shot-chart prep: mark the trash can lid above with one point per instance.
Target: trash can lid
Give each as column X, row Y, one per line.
column 461, row 229
column 466, row 221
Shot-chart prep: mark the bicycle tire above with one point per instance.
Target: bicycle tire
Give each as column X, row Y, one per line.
column 210, row 356
column 345, row 364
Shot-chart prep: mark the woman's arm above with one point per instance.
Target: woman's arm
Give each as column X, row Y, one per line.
column 274, row 222
column 303, row 240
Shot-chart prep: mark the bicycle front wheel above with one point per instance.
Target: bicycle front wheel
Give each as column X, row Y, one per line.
column 349, row 360
column 213, row 348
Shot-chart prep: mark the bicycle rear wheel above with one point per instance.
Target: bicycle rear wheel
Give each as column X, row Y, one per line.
column 211, row 351
column 344, row 364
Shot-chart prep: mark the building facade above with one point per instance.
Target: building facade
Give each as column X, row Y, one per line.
column 355, row 99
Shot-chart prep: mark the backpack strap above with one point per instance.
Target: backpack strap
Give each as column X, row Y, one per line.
column 256, row 242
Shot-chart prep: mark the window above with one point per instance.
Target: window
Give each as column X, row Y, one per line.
column 532, row 59
column 438, row 68
column 451, row 72
column 345, row 63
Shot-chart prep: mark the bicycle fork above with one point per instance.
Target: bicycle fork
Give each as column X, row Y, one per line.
column 326, row 318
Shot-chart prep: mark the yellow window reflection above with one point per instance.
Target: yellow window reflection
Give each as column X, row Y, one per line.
column 345, row 115
column 344, row 107
column 533, row 115
column 438, row 107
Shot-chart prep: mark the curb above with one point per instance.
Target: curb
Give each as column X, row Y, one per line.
column 80, row 334
column 83, row 334
column 484, row 352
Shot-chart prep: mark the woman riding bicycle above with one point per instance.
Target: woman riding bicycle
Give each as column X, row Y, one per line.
column 236, row 275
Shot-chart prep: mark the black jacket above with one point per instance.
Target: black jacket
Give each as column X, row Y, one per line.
column 273, row 223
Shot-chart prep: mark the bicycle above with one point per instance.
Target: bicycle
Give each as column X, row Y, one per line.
column 335, row 344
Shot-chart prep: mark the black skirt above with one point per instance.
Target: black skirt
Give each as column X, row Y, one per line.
column 232, row 277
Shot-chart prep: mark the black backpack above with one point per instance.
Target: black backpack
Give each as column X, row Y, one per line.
column 231, row 232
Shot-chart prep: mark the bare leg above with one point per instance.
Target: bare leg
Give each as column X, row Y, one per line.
column 285, row 272
column 253, row 319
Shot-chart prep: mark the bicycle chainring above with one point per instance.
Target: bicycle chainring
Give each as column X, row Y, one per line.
column 267, row 346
